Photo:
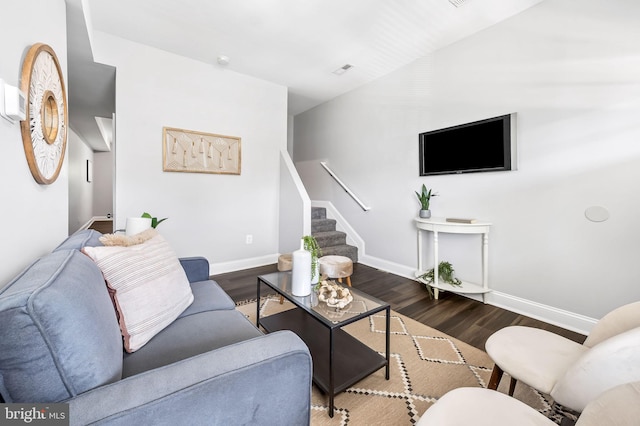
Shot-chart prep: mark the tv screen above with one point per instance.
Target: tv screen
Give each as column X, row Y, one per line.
column 481, row 146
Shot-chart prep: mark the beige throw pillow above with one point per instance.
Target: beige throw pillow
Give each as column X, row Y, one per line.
column 127, row 240
column 148, row 285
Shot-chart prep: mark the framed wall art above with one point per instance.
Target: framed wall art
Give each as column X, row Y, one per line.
column 198, row 152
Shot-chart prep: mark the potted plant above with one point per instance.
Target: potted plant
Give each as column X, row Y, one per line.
column 424, row 197
column 445, row 274
column 311, row 245
column 154, row 220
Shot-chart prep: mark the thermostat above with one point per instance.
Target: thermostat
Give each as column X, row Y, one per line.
column 13, row 102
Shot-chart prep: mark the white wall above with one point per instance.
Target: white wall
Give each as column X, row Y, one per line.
column 572, row 74
column 34, row 216
column 80, row 191
column 209, row 215
column 103, row 166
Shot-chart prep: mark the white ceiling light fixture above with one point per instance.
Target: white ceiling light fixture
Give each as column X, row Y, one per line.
column 223, row 60
column 343, row 69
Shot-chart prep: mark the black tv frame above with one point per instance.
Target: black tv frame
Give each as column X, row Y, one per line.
column 508, row 147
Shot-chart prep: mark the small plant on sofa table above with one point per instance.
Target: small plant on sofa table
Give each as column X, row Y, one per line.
column 425, row 197
column 154, row 220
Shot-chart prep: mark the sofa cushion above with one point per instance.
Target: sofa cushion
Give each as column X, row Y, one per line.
column 189, row 336
column 208, row 296
column 149, row 287
column 80, row 239
column 59, row 335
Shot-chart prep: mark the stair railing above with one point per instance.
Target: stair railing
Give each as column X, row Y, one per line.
column 342, row 184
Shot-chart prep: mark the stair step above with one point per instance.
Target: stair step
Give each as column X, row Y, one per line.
column 342, row 250
column 330, row 238
column 322, row 225
column 331, row 242
column 318, row 213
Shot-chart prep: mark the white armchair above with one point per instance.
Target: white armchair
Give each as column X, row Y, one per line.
column 572, row 373
column 618, row 406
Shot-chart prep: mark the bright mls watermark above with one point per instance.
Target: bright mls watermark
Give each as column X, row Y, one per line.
column 34, row 414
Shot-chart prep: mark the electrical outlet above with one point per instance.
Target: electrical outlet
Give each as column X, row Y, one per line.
column 249, row 239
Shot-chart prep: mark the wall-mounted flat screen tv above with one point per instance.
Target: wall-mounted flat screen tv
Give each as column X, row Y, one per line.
column 482, row 146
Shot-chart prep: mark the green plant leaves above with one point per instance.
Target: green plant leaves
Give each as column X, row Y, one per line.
column 424, row 197
column 154, row 220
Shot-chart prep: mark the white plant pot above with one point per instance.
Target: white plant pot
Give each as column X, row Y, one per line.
column 425, row 214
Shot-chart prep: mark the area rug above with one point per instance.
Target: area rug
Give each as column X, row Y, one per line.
column 425, row 364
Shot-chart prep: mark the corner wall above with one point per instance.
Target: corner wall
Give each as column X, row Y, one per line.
column 209, row 214
column 573, row 77
column 34, row 216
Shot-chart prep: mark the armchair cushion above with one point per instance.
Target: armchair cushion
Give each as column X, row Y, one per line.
column 59, row 335
column 481, row 407
column 534, row 356
column 149, row 287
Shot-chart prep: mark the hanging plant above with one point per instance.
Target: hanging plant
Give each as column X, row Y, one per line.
column 445, row 274
column 311, row 245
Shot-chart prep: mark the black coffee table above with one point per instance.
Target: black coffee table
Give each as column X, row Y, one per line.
column 339, row 359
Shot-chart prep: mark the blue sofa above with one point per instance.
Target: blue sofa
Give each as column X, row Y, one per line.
column 60, row 342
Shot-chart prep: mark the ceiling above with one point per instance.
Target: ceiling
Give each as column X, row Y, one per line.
column 294, row 43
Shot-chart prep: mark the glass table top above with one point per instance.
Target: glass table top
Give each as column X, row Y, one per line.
column 362, row 305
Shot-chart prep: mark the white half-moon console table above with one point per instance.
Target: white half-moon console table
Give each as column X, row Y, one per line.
column 440, row 224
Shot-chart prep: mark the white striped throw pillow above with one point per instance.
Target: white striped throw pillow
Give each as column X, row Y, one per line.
column 148, row 285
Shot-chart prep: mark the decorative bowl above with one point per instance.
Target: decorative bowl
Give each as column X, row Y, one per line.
column 334, row 295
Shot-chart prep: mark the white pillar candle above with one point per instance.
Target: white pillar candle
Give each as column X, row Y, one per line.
column 135, row 225
column 301, row 272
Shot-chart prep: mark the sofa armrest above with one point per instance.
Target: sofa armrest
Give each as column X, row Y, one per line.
column 265, row 380
column 196, row 268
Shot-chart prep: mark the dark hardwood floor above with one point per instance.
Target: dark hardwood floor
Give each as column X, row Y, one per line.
column 463, row 318
column 102, row 226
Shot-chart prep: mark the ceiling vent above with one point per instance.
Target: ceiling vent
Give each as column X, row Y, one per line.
column 343, row 69
column 457, row 3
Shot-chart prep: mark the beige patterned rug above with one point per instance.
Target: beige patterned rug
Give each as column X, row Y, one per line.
column 425, row 364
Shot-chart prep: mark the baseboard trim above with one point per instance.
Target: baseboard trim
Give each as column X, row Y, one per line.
column 387, row 266
column 237, row 265
column 559, row 317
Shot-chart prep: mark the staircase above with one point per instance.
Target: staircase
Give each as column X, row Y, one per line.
column 331, row 242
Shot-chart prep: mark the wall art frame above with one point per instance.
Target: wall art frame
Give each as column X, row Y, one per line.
column 198, row 152
column 89, row 171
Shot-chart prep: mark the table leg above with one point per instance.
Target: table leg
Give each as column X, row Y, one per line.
column 436, row 277
column 388, row 340
column 331, row 388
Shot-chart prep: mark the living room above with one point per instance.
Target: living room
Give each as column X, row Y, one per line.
column 571, row 75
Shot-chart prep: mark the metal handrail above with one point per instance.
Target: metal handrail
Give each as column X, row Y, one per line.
column 342, row 184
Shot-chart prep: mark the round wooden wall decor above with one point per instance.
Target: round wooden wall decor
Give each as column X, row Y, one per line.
column 44, row 130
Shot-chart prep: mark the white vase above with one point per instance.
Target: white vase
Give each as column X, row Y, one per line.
column 301, row 271
column 135, row 225
column 425, row 214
